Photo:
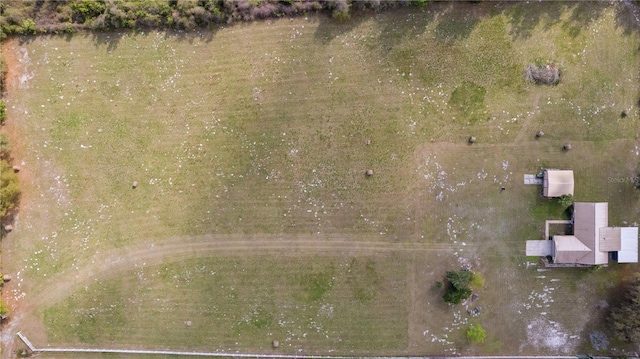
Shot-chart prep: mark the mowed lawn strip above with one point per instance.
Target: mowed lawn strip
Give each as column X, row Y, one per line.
column 317, row 303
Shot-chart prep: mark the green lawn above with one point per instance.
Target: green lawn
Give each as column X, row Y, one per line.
column 249, row 146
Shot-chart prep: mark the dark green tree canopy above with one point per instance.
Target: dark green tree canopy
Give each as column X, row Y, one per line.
column 457, row 286
column 625, row 319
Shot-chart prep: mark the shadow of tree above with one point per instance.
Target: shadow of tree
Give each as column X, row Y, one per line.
column 525, row 17
column 628, row 17
column 329, row 28
column 457, row 21
column 109, row 39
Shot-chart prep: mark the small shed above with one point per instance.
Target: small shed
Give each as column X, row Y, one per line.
column 557, row 183
column 628, row 252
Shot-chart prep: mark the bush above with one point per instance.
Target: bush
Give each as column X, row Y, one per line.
column 3, row 309
column 28, row 27
column 545, row 75
column 3, row 112
column 476, row 333
column 9, row 191
column 565, row 200
column 84, row 10
column 5, row 149
column 477, row 280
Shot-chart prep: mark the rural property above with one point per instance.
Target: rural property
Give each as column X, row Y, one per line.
column 305, row 185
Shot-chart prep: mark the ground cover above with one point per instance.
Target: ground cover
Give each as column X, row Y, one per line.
column 249, row 145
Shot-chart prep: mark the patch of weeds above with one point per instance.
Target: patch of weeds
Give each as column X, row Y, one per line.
column 468, row 100
column 477, row 280
column 316, row 285
column 363, row 279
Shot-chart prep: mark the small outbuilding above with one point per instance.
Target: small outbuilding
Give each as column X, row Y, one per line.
column 557, row 183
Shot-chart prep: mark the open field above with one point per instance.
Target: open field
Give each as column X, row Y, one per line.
column 253, row 218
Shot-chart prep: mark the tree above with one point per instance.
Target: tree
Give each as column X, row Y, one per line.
column 625, row 319
column 476, row 333
column 459, row 279
column 455, row 296
column 565, row 200
column 9, row 191
column 457, row 286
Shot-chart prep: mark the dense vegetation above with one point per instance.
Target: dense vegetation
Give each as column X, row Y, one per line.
column 66, row 16
column 625, row 319
column 9, row 191
column 457, row 286
column 476, row 333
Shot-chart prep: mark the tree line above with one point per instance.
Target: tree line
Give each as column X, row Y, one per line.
column 65, row 16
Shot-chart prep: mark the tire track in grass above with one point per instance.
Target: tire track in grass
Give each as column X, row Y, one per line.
column 115, row 262
column 103, row 266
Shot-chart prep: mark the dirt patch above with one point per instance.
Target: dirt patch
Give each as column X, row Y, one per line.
column 547, row 334
column 11, row 62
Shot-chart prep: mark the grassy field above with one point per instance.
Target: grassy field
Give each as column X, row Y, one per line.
column 253, row 217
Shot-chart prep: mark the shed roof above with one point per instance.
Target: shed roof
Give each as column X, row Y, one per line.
column 558, row 183
column 628, row 252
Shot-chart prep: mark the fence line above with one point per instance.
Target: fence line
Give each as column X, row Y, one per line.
column 33, row 349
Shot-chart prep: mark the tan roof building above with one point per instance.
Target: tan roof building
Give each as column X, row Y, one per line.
column 557, row 183
column 592, row 238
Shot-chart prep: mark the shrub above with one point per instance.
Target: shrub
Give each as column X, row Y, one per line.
column 476, row 333
column 28, row 27
column 3, row 112
column 565, row 200
column 545, row 75
column 3, row 309
column 84, row 10
column 5, row 149
column 9, row 191
column 477, row 280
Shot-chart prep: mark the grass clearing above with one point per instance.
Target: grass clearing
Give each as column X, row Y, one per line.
column 249, row 146
column 245, row 302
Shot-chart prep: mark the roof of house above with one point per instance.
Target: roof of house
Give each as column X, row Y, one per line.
column 557, row 183
column 593, row 239
column 569, row 249
column 628, row 252
column 610, row 239
column 588, row 219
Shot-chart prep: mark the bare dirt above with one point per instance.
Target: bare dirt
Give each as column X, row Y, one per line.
column 19, row 310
